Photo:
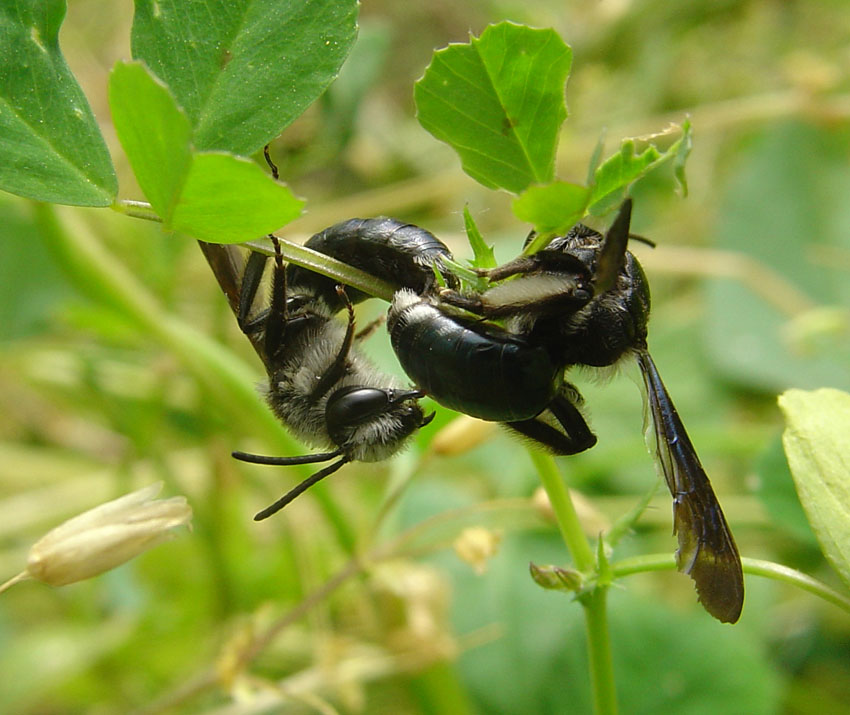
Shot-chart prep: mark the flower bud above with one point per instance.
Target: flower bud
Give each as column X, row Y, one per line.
column 556, row 578
column 105, row 537
column 476, row 546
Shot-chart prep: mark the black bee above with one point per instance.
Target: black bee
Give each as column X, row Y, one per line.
column 582, row 301
column 399, row 253
column 320, row 387
column 482, row 370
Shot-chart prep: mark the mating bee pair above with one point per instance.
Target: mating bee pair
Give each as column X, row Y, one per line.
column 583, row 300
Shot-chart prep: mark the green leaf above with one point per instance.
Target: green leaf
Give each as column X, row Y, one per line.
column 484, row 257
column 815, row 441
column 555, row 207
column 243, row 70
column 50, row 146
column 228, row 199
column 154, row 132
column 499, row 102
column 215, row 197
column 613, row 177
column 552, row 208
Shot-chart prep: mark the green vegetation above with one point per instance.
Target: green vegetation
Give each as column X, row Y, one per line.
column 404, row 586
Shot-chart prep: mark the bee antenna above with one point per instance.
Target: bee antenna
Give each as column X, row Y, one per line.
column 299, row 489
column 285, row 461
column 643, row 239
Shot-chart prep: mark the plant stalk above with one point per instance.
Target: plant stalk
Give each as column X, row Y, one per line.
column 594, row 601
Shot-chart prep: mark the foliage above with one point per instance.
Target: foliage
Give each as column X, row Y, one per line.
column 499, row 102
column 109, row 376
column 52, row 149
column 816, row 445
column 191, row 191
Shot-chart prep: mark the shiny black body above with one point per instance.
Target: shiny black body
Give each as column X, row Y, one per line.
column 482, row 370
column 460, row 361
column 582, row 301
column 399, row 253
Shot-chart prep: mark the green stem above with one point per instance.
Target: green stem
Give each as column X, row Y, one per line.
column 136, row 209
column 594, row 601
column 778, row 572
column 327, row 266
column 599, row 651
column 643, row 563
column 565, row 512
column 756, row 567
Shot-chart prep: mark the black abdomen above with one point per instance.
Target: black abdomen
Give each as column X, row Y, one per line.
column 473, row 368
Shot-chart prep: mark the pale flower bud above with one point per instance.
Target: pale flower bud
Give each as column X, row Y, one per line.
column 105, row 537
column 476, row 546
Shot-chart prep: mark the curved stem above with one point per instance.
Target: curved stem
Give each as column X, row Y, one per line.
column 643, row 563
column 756, row 567
column 778, row 572
column 22, row 576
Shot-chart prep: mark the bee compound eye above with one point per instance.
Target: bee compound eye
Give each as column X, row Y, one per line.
column 351, row 406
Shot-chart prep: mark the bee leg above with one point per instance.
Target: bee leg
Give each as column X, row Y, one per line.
column 523, row 264
column 549, row 261
column 278, row 316
column 472, row 303
column 338, row 367
column 576, row 435
column 274, row 318
column 272, row 165
column 251, row 278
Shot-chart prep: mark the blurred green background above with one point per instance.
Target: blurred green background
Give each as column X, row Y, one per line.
column 372, row 610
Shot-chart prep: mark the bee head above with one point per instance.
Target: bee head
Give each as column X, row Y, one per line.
column 370, row 423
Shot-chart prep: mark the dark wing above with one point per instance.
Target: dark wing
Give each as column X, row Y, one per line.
column 612, row 255
column 707, row 551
